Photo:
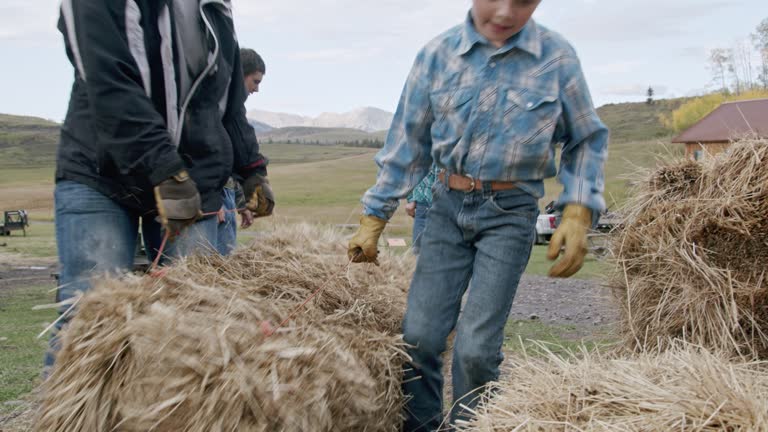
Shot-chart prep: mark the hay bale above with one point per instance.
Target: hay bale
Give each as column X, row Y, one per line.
column 693, row 254
column 682, row 389
column 188, row 351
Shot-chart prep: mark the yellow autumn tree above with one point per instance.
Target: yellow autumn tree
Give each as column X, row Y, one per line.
column 698, row 108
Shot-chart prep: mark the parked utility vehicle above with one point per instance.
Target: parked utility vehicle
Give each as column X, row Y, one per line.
column 14, row 220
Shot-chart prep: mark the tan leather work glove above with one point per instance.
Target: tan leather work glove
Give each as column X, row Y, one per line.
column 258, row 192
column 247, row 218
column 573, row 232
column 178, row 203
column 363, row 246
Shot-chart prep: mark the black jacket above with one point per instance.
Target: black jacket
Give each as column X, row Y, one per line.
column 158, row 88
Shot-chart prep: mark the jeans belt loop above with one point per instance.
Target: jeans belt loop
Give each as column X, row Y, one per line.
column 446, row 176
column 487, row 189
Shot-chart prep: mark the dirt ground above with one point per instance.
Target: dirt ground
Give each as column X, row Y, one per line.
column 582, row 304
column 19, row 274
column 20, row 419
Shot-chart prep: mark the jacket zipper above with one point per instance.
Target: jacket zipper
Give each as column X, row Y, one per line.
column 211, row 64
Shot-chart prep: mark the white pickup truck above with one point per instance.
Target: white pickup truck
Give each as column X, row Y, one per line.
column 597, row 238
column 545, row 227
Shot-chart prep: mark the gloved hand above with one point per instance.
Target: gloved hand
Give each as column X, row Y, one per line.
column 178, row 203
column 363, row 245
column 247, row 218
column 573, row 232
column 258, row 192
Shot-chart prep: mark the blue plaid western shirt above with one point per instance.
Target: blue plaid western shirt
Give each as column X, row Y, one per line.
column 495, row 114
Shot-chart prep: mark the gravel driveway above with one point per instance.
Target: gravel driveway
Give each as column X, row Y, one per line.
column 578, row 302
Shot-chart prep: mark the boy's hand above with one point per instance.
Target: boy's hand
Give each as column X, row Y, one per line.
column 178, row 203
column 363, row 247
column 410, row 209
column 573, row 232
column 258, row 192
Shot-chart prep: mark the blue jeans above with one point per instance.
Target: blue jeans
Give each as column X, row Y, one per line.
column 227, row 230
column 484, row 236
column 152, row 234
column 96, row 236
column 419, row 223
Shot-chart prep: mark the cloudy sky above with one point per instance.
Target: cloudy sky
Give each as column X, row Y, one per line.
column 337, row 55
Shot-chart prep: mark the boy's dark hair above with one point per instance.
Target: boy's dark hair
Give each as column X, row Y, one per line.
column 251, row 62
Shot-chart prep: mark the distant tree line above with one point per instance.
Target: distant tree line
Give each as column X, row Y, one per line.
column 739, row 72
column 742, row 67
column 370, row 143
column 366, row 142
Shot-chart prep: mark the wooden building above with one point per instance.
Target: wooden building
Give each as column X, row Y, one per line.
column 730, row 122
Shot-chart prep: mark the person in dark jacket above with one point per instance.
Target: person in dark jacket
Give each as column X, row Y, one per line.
column 254, row 70
column 156, row 125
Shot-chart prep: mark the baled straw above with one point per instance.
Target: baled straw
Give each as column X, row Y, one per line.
column 190, row 351
column 693, row 254
column 682, row 389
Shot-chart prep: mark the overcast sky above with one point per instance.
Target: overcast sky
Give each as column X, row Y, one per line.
column 337, row 55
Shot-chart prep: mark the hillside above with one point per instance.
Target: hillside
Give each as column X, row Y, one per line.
column 31, row 142
column 27, row 141
column 638, row 121
column 630, row 121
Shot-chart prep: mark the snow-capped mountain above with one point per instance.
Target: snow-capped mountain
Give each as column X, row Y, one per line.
column 368, row 119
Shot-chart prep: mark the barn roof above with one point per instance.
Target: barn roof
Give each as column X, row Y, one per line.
column 730, row 121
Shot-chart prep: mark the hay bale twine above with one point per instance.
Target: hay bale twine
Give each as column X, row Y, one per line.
column 684, row 388
column 693, row 255
column 188, row 351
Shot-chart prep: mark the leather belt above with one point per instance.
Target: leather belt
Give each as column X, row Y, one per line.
column 469, row 184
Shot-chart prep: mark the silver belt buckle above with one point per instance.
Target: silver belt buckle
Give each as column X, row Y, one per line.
column 471, row 184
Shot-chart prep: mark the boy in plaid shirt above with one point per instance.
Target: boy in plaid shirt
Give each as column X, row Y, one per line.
column 488, row 102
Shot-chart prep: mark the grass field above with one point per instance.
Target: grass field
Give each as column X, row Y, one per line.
column 21, row 352
column 22, row 177
column 282, row 154
column 324, row 183
column 521, row 335
column 40, row 241
column 325, row 191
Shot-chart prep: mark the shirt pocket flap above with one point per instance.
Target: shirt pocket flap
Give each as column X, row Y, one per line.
column 451, row 99
column 529, row 100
